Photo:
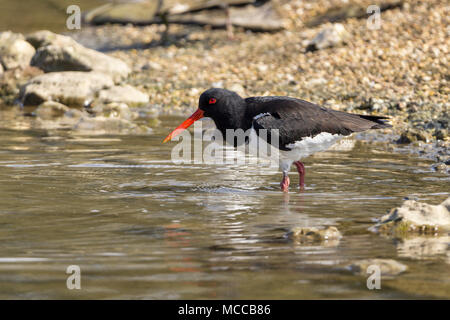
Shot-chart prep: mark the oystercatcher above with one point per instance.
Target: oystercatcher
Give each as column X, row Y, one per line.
column 303, row 128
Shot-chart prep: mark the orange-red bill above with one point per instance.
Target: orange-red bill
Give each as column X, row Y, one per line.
column 186, row 124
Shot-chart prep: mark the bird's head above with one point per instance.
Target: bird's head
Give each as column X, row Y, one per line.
column 215, row 103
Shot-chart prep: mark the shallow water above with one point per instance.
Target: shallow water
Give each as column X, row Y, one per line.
column 141, row 227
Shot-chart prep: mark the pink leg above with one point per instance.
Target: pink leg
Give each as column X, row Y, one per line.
column 285, row 183
column 301, row 173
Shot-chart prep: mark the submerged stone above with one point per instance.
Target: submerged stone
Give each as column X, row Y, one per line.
column 388, row 267
column 108, row 125
column 312, row 234
column 114, row 110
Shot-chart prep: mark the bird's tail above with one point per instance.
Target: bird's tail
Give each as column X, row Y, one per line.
column 380, row 121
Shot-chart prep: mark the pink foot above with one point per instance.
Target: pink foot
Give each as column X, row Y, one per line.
column 301, row 173
column 285, row 183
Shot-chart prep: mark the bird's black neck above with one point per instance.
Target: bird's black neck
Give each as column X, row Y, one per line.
column 234, row 117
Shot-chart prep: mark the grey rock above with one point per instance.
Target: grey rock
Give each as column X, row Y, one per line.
column 61, row 53
column 70, row 88
column 256, row 18
column 330, row 36
column 243, row 13
column 15, row 52
column 416, row 217
column 125, row 93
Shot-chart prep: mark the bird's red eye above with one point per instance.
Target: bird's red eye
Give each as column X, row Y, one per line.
column 212, row 101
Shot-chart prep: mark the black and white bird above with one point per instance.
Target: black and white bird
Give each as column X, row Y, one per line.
column 303, row 128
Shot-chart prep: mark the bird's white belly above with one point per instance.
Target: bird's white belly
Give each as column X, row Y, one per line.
column 310, row 145
column 300, row 149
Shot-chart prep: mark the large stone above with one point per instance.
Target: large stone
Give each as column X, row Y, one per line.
column 243, row 13
column 15, row 52
column 61, row 53
column 69, row 88
column 125, row 93
column 258, row 18
column 416, row 218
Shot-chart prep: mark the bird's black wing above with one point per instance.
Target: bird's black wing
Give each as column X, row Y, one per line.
column 296, row 119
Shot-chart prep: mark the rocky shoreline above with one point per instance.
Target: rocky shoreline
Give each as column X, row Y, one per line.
column 400, row 70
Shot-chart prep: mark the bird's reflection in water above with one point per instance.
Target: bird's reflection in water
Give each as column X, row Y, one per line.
column 175, row 236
